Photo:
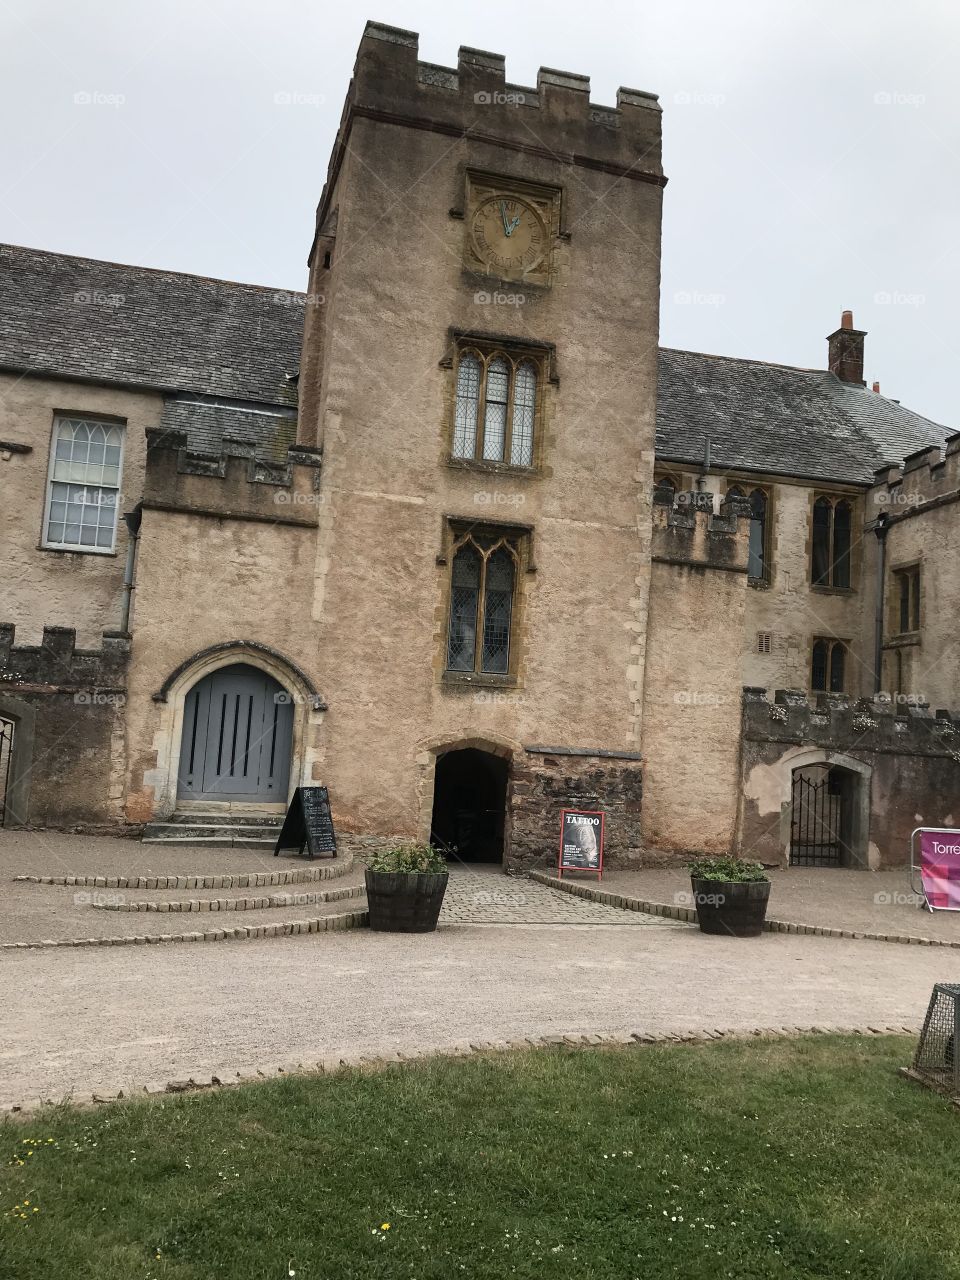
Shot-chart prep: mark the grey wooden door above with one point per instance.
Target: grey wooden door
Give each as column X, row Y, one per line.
column 237, row 729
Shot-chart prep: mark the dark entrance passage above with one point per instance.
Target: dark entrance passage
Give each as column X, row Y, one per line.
column 6, row 763
column 821, row 816
column 469, row 805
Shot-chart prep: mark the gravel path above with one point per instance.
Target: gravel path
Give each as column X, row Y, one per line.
column 118, row 1017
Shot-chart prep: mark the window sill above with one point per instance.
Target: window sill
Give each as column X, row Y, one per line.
column 823, row 590
column 902, row 640
column 492, row 468
column 77, row 551
column 466, row 680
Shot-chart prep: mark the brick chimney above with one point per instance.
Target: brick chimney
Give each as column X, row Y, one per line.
column 845, row 357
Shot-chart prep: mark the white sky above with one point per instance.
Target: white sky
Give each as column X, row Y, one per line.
column 813, row 149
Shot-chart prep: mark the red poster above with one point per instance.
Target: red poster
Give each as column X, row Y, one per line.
column 581, row 841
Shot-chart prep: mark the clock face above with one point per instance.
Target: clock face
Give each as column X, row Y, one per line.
column 508, row 234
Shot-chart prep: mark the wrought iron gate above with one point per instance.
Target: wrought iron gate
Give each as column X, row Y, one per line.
column 6, row 755
column 817, row 814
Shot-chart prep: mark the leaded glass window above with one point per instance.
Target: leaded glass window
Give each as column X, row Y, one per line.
column 495, row 410
column 464, row 602
column 482, row 590
column 832, row 530
column 495, row 415
column 757, row 568
column 498, row 606
column 469, row 371
column 524, row 409
column 84, row 488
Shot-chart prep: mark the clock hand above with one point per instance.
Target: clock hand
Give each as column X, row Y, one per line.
column 514, row 223
column 503, row 214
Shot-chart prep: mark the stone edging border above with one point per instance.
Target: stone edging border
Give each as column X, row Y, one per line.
column 244, row 880
column 238, row 904
column 240, row 933
column 331, row 1064
column 689, row 914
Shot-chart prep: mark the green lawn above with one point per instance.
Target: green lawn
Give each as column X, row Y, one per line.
column 766, row 1158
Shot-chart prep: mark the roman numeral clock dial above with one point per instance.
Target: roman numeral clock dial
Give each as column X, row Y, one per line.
column 509, row 235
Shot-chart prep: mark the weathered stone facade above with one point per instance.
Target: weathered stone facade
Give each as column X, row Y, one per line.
column 301, row 528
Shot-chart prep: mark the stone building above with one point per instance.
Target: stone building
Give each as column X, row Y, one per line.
column 449, row 534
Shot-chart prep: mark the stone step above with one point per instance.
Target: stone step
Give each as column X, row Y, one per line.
column 283, row 900
column 212, row 834
column 223, row 820
column 306, row 873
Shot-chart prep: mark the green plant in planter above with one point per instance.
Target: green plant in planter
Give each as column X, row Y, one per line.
column 409, row 859
column 732, row 870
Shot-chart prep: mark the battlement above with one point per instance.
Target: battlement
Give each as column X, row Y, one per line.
column 927, row 474
column 837, row 721
column 236, row 483
column 686, row 531
column 56, row 664
column 554, row 119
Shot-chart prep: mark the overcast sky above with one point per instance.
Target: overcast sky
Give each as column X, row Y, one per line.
column 812, row 146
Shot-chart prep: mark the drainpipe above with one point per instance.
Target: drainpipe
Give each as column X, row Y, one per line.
column 132, row 520
column 881, row 530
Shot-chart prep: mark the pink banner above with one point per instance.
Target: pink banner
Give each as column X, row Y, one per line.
column 940, row 869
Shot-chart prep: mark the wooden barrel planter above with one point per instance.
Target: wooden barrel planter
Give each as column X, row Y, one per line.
column 737, row 909
column 405, row 902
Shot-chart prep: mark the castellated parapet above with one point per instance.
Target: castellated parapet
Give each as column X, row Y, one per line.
column 555, row 119
column 56, row 664
column 237, row 483
column 930, row 473
column 686, row 531
column 839, row 722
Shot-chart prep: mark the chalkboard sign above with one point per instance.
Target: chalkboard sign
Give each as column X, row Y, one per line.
column 308, row 824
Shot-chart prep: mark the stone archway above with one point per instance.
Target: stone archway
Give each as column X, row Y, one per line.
column 172, row 699
column 18, row 764
column 851, row 812
column 489, row 761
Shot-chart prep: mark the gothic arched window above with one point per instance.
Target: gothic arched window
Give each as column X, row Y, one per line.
column 831, row 542
column 483, row 584
column 758, row 564
column 497, row 406
column 828, row 665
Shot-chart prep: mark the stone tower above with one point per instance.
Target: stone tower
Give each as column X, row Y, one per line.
column 479, row 370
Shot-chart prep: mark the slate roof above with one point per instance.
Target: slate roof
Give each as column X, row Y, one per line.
column 238, row 342
column 99, row 321
column 265, row 432
column 776, row 418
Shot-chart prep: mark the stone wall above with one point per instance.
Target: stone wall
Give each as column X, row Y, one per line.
column 67, row 706
column 547, row 780
column 691, row 718
column 904, row 770
column 47, row 586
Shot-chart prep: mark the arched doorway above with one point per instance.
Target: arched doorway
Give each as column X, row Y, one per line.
column 236, row 742
column 469, row 804
column 824, row 816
